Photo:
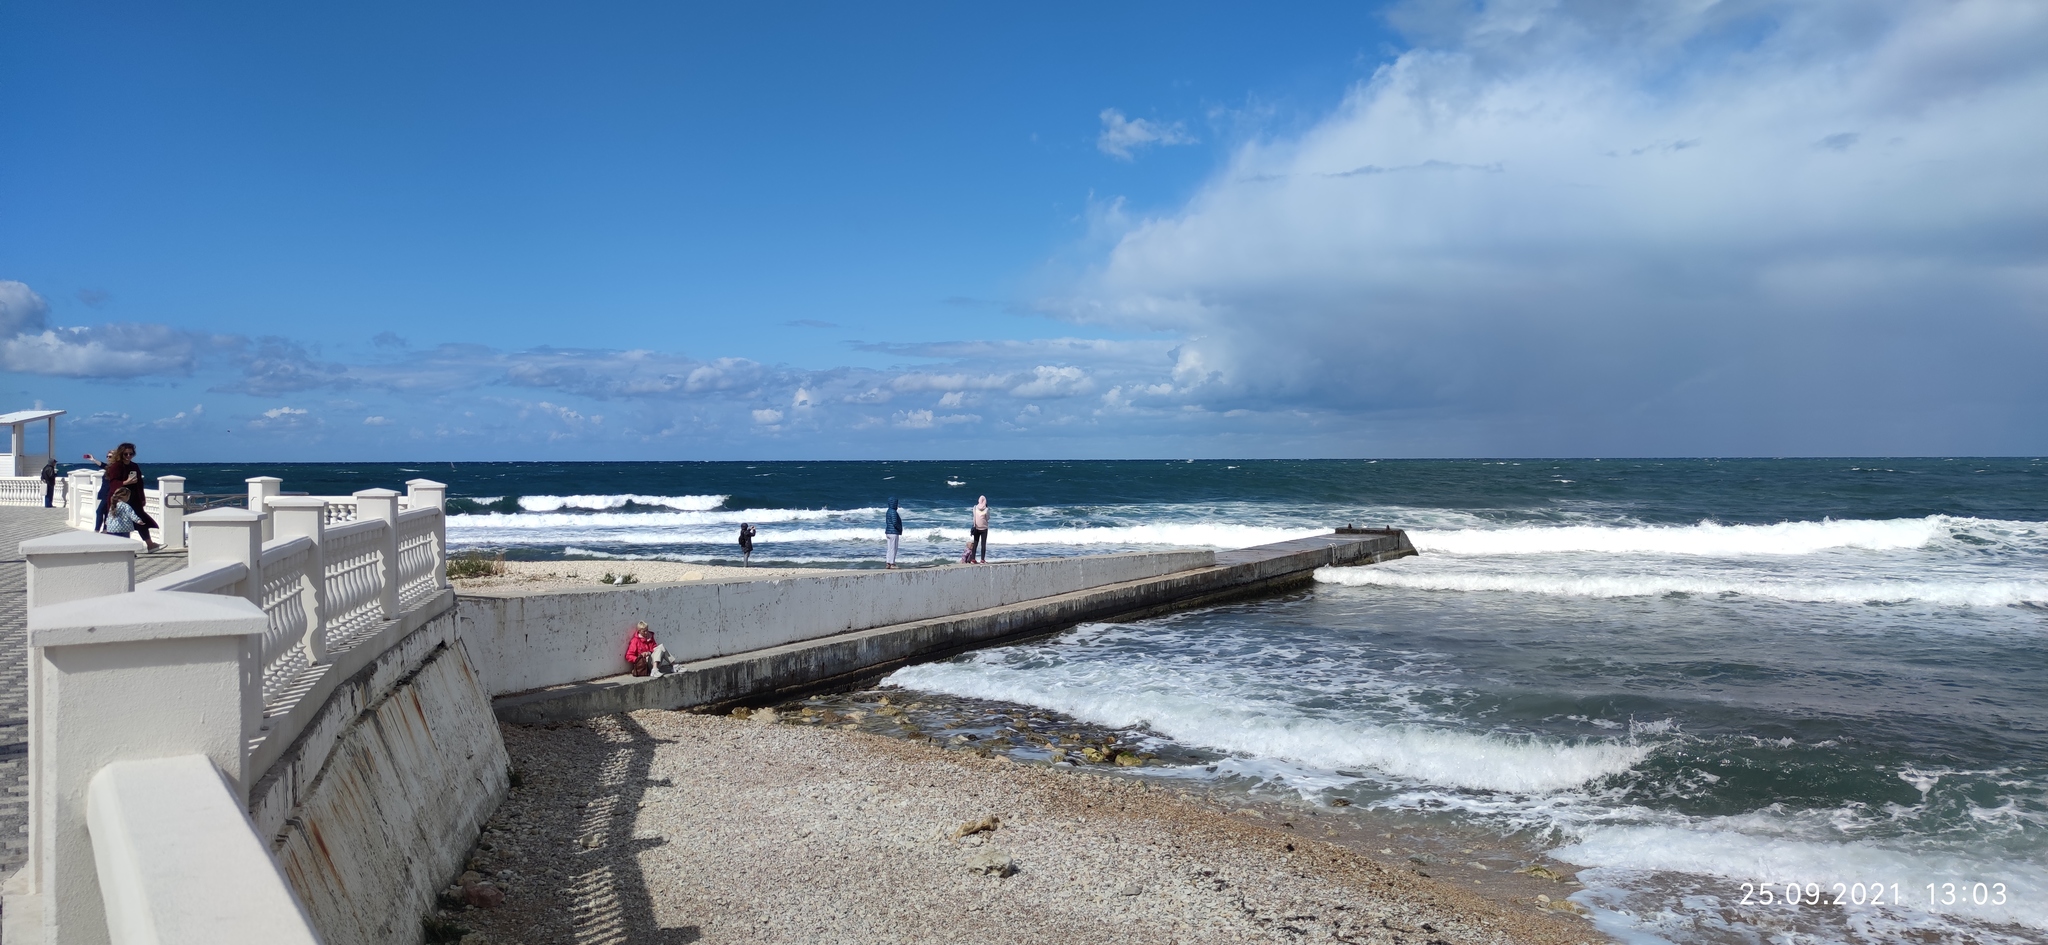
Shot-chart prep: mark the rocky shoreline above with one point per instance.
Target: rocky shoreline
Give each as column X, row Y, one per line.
column 669, row 827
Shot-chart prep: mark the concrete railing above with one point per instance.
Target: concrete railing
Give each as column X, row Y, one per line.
column 231, row 658
column 168, row 835
column 28, row 490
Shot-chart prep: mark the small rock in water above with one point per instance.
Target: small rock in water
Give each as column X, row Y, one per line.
column 741, row 712
column 1540, row 872
column 991, row 862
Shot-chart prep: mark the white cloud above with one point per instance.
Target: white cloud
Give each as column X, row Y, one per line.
column 277, row 412
column 1633, row 226
column 1049, row 381
column 953, row 398
column 802, row 399
column 768, row 416
column 948, row 382
column 925, row 419
column 181, row 419
column 376, row 421
column 1122, row 136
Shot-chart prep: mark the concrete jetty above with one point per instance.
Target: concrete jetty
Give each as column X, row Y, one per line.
column 1165, row 583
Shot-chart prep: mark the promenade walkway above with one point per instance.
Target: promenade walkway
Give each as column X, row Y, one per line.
column 19, row 524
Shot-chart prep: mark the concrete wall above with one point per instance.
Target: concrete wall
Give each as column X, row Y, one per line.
column 381, row 798
column 527, row 640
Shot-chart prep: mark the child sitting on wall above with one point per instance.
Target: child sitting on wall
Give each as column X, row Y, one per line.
column 644, row 657
column 122, row 520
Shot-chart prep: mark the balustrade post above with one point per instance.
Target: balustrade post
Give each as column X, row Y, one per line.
column 221, row 536
column 382, row 505
column 85, row 497
column 76, row 565
column 306, row 516
column 428, row 493
column 171, row 488
column 152, row 674
column 261, row 490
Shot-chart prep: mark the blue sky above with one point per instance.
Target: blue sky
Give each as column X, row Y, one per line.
column 648, row 231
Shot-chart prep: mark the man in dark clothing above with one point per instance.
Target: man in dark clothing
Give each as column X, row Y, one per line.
column 50, row 483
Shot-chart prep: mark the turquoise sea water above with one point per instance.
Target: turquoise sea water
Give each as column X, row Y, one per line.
column 1697, row 680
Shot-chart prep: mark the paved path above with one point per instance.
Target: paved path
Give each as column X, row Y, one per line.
column 19, row 524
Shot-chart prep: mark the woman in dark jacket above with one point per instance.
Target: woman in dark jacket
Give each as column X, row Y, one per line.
column 120, row 471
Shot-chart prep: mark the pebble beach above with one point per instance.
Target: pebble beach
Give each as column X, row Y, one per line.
column 673, row 827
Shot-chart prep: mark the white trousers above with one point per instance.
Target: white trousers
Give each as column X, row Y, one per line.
column 893, row 541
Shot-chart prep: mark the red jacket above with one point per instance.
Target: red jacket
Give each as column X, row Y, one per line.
column 638, row 646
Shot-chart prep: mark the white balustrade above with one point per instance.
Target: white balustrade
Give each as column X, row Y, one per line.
column 258, row 632
column 355, row 580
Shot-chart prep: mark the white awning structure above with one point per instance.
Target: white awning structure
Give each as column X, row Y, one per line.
column 18, row 461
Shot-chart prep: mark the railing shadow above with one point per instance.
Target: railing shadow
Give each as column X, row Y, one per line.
column 611, row 901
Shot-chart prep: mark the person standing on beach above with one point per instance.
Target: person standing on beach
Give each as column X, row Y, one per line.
column 979, row 535
column 746, row 544
column 892, row 530
column 50, row 483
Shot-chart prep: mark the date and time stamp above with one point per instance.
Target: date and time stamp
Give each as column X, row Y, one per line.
column 1936, row 896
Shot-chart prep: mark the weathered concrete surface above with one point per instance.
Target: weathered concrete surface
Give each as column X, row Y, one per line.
column 386, row 821
column 523, row 639
column 810, row 664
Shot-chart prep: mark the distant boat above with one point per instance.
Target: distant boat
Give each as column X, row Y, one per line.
column 954, row 482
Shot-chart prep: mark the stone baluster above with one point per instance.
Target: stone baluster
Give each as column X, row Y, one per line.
column 261, row 490
column 222, row 536
column 306, row 517
column 382, row 505
column 172, row 487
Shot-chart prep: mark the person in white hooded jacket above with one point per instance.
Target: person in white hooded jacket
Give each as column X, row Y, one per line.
column 978, row 537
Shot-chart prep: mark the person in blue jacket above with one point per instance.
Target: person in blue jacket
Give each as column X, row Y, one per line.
column 892, row 527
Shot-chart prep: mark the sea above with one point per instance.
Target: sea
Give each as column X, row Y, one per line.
column 1750, row 700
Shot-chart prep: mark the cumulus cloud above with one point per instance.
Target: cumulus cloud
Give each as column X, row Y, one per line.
column 1048, row 381
column 376, row 421
column 1122, row 137
column 767, row 416
column 926, row 419
column 1700, row 226
column 29, row 345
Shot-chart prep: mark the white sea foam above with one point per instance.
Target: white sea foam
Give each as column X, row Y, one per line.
column 1130, row 697
column 555, row 503
column 1705, row 538
column 1947, row 593
column 1748, row 848
column 656, row 524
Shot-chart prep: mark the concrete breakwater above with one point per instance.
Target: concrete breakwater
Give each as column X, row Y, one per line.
column 953, row 609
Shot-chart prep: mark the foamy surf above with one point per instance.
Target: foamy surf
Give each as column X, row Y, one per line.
column 1209, row 719
column 1952, row 593
column 1704, row 538
column 556, row 503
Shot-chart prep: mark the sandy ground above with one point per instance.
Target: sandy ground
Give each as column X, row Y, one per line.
column 665, row 827
column 551, row 575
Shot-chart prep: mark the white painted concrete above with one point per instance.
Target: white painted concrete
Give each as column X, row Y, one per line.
column 78, row 565
column 527, row 640
column 121, row 678
column 179, row 863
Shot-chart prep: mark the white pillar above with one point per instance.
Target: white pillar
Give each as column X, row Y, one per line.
column 426, row 493
column 153, row 674
column 221, row 536
column 296, row 516
column 85, row 497
column 422, row 493
column 174, row 510
column 382, row 505
column 261, row 490
column 76, row 565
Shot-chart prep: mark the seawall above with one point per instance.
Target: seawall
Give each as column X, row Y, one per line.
column 826, row 659
column 371, row 810
column 524, row 640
